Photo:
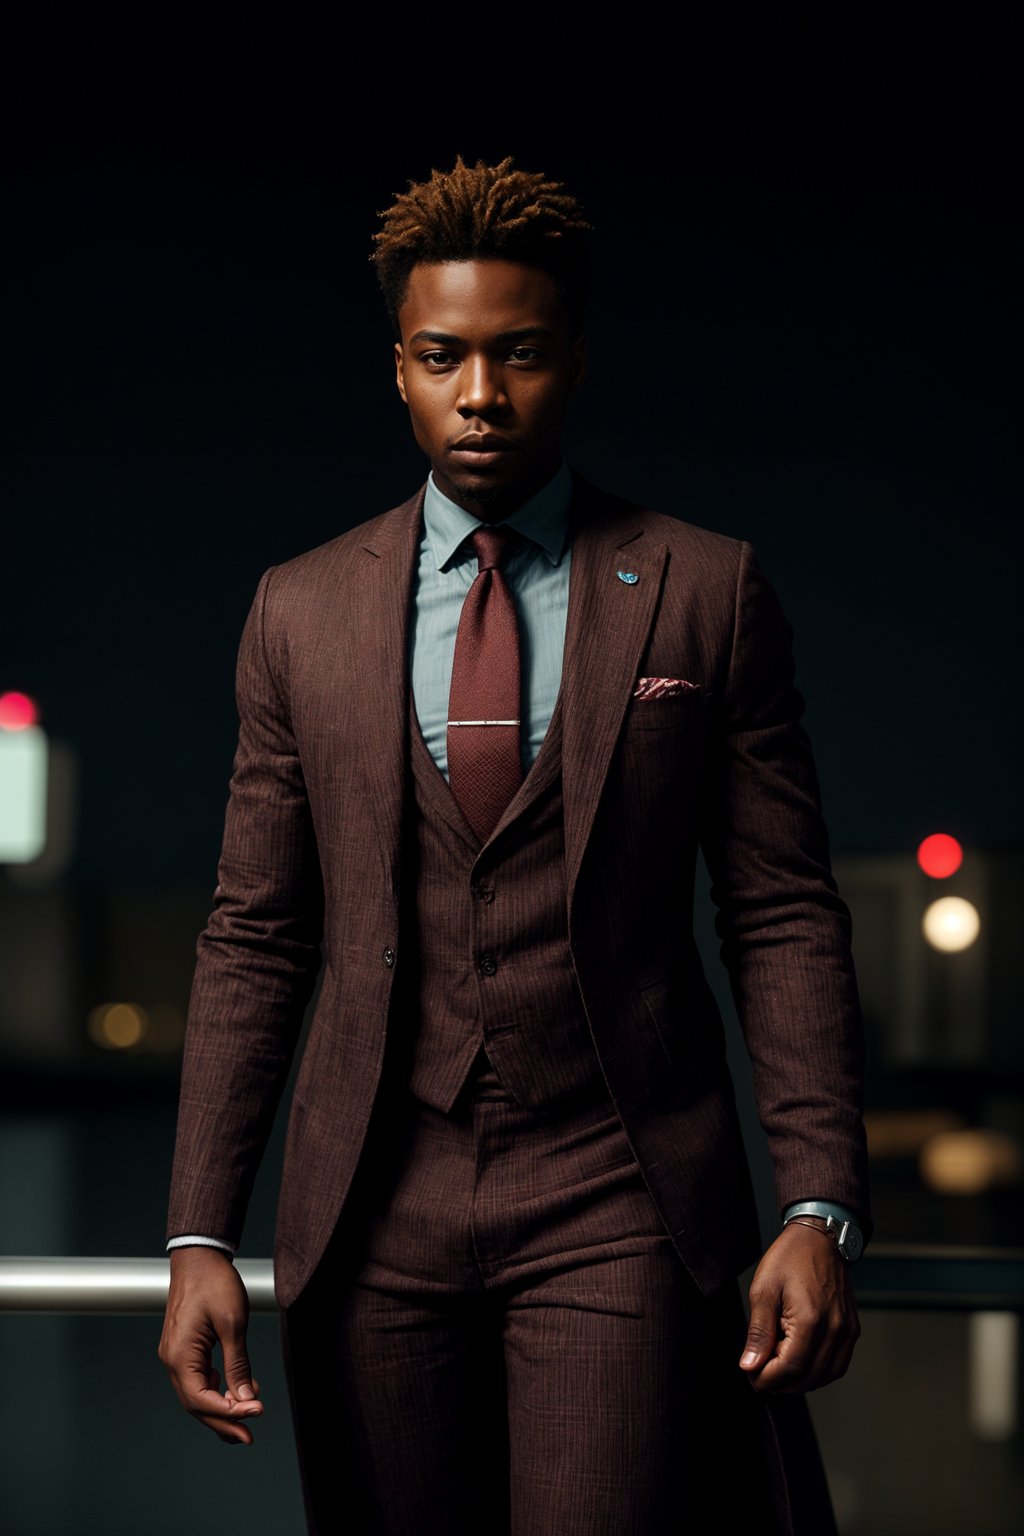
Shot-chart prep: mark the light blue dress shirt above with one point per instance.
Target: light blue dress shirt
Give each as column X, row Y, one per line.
column 537, row 574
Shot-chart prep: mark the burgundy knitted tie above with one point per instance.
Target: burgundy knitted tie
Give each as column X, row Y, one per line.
column 484, row 768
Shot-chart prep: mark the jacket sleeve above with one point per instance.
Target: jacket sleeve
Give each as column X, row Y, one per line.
column 784, row 931
column 257, row 958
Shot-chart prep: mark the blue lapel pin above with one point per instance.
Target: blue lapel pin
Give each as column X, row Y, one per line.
column 629, row 577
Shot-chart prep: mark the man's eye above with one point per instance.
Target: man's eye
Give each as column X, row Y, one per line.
column 437, row 359
column 524, row 354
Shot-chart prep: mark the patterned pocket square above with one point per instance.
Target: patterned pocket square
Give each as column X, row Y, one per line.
column 663, row 687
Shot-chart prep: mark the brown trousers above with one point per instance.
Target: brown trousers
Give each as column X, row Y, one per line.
column 502, row 1339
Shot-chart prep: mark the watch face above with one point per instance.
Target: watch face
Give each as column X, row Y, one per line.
column 852, row 1245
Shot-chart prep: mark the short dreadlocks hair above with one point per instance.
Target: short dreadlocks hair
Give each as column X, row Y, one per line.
column 488, row 211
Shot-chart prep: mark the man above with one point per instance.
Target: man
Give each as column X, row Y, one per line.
column 482, row 736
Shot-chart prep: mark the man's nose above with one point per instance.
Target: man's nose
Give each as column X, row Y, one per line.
column 481, row 390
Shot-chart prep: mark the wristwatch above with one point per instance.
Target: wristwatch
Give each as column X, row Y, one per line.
column 849, row 1237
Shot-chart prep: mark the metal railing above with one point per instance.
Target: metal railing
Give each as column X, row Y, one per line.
column 890, row 1276
column 110, row 1285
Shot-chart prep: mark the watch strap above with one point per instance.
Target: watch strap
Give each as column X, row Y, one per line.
column 821, row 1208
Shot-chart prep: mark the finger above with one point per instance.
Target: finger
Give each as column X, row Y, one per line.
column 837, row 1365
column 824, row 1357
column 785, row 1375
column 255, row 1387
column 839, row 1341
column 225, row 1430
column 795, row 1359
column 243, row 1407
column 237, row 1370
column 214, row 1410
column 198, row 1389
column 777, row 1376
column 199, row 1393
column 762, row 1333
column 192, row 1382
column 838, row 1356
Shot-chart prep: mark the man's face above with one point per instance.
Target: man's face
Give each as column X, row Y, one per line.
column 486, row 366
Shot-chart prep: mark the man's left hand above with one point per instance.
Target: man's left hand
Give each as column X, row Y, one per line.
column 803, row 1316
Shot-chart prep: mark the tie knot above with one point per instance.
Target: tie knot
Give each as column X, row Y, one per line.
column 492, row 545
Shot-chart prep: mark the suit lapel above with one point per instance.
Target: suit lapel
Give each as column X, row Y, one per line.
column 382, row 599
column 607, row 627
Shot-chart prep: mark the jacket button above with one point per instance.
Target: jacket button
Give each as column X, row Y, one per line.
column 488, row 965
column 389, row 957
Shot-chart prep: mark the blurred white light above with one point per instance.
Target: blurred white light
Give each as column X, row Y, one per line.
column 951, row 923
column 993, row 1353
column 23, row 768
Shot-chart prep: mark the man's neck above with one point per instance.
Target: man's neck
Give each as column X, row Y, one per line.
column 543, row 518
column 494, row 507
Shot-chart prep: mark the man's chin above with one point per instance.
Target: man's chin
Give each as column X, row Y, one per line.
column 485, row 493
column 481, row 490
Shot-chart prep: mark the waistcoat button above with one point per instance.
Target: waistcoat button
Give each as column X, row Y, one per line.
column 389, row 957
column 488, row 965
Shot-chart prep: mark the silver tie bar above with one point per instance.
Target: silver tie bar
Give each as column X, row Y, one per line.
column 483, row 722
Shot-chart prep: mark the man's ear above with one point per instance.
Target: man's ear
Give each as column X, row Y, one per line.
column 578, row 364
column 400, row 370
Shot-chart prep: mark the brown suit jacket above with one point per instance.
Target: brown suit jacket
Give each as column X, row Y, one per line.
column 312, row 853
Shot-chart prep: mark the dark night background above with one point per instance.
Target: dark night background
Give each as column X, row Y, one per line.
column 803, row 334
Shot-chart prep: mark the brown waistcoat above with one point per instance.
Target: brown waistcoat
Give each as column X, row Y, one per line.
column 492, row 964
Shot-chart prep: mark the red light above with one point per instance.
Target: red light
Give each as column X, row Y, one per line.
column 940, row 855
column 17, row 712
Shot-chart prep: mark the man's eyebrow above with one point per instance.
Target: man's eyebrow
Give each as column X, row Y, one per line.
column 503, row 338
column 441, row 337
column 509, row 338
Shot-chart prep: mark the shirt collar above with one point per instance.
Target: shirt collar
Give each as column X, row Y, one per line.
column 544, row 518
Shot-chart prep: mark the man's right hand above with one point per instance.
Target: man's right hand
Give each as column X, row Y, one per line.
column 207, row 1304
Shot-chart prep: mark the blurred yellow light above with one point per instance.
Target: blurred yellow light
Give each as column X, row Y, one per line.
column 117, row 1026
column 967, row 1162
column 903, row 1132
column 951, row 924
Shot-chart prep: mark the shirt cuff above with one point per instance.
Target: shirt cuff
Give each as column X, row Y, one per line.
column 192, row 1240
column 824, row 1208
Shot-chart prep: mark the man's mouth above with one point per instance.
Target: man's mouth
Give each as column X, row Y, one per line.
column 480, row 449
